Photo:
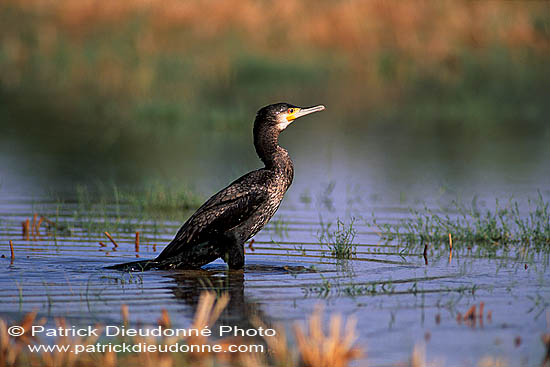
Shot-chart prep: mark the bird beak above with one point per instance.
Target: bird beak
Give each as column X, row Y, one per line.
column 305, row 111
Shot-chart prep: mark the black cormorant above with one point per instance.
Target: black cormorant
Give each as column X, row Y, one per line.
column 221, row 226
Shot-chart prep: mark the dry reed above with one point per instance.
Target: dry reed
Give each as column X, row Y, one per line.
column 418, row 358
column 33, row 228
column 450, row 248
column 125, row 313
column 26, row 229
column 39, row 224
column 334, row 349
column 316, row 350
column 111, row 239
column 315, row 347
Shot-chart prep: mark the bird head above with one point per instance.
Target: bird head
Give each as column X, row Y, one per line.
column 280, row 115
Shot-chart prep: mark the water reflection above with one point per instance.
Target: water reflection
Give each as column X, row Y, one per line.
column 241, row 313
column 384, row 162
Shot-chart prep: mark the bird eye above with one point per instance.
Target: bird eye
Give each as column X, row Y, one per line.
column 291, row 110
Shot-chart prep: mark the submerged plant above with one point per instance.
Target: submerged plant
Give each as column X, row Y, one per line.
column 279, row 227
column 340, row 240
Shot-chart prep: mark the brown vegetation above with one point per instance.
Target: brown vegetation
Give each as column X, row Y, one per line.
column 421, row 29
column 335, row 349
column 327, row 350
column 420, row 33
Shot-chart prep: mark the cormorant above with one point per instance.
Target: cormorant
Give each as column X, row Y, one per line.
column 221, row 226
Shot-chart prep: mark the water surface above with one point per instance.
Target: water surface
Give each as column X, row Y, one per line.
column 398, row 299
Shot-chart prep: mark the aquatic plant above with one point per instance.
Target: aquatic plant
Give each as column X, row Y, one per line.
column 102, row 208
column 321, row 290
column 161, row 197
column 279, row 227
column 305, row 197
column 504, row 227
column 325, row 199
column 335, row 287
column 124, row 278
column 340, row 240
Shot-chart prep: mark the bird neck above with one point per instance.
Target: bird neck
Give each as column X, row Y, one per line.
column 266, row 142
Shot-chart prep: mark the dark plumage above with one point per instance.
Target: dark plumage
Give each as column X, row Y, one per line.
column 221, row 226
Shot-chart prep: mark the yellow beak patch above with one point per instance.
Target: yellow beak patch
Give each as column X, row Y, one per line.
column 292, row 114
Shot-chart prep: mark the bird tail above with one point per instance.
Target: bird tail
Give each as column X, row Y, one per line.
column 189, row 257
column 142, row 265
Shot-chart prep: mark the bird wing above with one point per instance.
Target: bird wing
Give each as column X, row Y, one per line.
column 222, row 212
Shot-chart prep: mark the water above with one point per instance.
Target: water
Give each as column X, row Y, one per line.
column 398, row 299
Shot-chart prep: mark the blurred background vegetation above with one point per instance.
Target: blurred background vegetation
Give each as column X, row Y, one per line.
column 92, row 77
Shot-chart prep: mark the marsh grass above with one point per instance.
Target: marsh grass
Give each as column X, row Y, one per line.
column 162, row 198
column 340, row 240
column 157, row 198
column 112, row 209
column 507, row 226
